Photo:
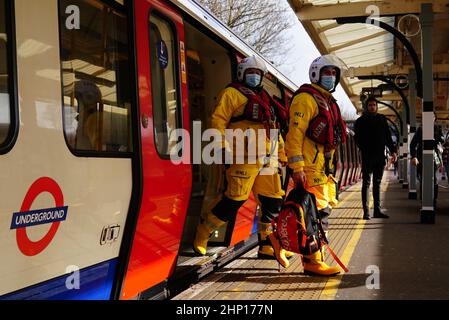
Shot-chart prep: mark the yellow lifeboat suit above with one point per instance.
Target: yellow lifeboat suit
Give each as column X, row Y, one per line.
column 243, row 178
column 308, row 156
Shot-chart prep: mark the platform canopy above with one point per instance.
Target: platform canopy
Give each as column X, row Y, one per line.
column 369, row 50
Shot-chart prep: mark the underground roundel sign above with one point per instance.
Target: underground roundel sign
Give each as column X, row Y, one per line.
column 28, row 218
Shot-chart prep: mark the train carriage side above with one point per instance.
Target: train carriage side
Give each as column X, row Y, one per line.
column 339, row 166
column 67, row 178
column 359, row 164
column 348, row 163
column 354, row 159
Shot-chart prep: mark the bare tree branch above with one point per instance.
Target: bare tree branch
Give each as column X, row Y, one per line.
column 261, row 23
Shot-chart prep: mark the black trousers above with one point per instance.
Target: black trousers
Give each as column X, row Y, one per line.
column 376, row 170
column 227, row 209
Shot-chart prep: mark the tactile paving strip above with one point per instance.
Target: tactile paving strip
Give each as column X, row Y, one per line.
column 250, row 278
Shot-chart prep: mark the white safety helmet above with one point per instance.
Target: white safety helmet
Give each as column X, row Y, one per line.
column 248, row 63
column 328, row 60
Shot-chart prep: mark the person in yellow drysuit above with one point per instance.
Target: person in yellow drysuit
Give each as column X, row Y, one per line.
column 310, row 158
column 245, row 105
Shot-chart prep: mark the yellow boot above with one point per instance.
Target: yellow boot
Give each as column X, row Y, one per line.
column 314, row 264
column 279, row 253
column 163, row 222
column 204, row 231
column 266, row 252
column 174, row 216
column 265, row 249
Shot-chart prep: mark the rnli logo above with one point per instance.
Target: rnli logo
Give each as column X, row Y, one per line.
column 319, row 129
column 283, row 230
column 241, row 172
column 255, row 114
column 28, row 218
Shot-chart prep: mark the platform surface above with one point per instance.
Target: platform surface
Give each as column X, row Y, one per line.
column 396, row 258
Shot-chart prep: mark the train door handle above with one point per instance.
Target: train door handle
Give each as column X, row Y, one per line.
column 109, row 234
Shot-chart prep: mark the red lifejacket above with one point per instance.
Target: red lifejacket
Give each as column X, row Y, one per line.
column 261, row 107
column 282, row 115
column 328, row 127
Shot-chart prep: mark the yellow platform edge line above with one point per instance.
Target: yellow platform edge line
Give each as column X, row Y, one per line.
column 331, row 288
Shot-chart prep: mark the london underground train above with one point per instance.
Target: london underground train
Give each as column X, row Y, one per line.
column 91, row 205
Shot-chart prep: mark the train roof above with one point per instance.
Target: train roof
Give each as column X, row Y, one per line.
column 208, row 20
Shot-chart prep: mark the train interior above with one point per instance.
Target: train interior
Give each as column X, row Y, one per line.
column 205, row 60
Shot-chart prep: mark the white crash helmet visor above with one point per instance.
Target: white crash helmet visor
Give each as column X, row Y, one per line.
column 252, row 62
column 328, row 60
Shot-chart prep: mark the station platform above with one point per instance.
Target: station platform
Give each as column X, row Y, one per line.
column 395, row 258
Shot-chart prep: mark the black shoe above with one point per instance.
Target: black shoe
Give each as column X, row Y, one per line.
column 366, row 217
column 380, row 215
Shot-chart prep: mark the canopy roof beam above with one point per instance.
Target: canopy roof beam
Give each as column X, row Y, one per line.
column 357, row 41
column 385, row 97
column 308, row 12
column 327, row 27
column 384, row 69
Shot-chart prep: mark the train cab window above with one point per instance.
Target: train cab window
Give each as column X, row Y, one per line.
column 164, row 84
column 5, row 73
column 95, row 78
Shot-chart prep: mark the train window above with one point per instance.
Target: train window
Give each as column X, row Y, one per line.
column 5, row 97
column 95, row 77
column 164, row 84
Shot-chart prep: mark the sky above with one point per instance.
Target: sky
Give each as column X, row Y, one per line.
column 301, row 56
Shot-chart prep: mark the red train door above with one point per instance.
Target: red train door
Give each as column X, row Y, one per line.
column 163, row 110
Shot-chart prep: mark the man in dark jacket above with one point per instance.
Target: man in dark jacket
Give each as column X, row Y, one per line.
column 446, row 158
column 416, row 153
column 372, row 135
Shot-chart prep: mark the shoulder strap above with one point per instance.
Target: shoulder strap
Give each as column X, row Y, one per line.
column 250, row 94
column 265, row 96
column 276, row 103
column 252, row 97
column 292, row 204
column 337, row 259
column 317, row 95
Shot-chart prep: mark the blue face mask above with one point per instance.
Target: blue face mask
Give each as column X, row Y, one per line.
column 253, row 80
column 328, row 82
